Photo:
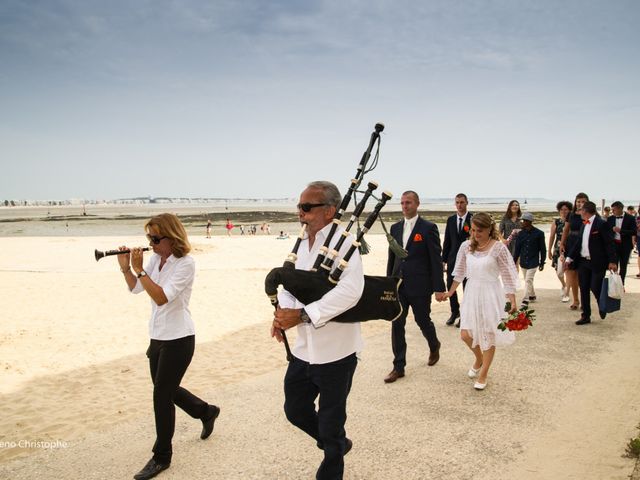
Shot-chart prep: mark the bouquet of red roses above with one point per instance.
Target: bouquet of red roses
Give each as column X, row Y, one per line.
column 518, row 320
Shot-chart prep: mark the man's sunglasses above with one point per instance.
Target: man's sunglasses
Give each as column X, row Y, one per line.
column 155, row 239
column 306, row 207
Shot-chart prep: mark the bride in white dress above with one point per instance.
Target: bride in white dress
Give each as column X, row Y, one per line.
column 484, row 260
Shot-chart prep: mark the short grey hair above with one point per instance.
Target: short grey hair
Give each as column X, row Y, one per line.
column 331, row 193
column 411, row 192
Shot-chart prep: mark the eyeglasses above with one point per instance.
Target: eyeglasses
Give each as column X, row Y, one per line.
column 306, row 207
column 155, row 239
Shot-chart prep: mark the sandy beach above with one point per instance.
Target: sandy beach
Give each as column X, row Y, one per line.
column 76, row 394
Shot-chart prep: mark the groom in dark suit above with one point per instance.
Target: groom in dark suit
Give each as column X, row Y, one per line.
column 594, row 253
column 457, row 231
column 421, row 273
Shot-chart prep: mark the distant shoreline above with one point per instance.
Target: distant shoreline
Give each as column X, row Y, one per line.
column 130, row 221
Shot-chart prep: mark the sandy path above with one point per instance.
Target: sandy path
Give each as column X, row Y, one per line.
column 560, row 403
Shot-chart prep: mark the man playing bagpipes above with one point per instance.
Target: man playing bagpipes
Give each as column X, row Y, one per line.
column 324, row 355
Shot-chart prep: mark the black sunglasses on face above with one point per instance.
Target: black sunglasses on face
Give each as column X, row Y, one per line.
column 306, row 207
column 155, row 239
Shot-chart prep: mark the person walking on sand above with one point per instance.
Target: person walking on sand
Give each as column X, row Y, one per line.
column 570, row 236
column 557, row 227
column 594, row 252
column 531, row 252
column 510, row 225
column 208, row 228
column 623, row 226
column 324, row 355
column 422, row 275
column 229, row 227
column 484, row 261
column 168, row 279
column 457, row 231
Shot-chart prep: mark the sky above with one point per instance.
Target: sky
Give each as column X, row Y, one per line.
column 256, row 98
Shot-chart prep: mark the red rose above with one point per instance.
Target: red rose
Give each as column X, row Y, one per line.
column 466, row 228
column 417, row 237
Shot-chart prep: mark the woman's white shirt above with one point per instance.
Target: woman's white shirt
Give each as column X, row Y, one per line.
column 173, row 319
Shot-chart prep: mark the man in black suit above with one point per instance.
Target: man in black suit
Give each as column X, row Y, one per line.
column 594, row 253
column 623, row 227
column 421, row 273
column 457, row 231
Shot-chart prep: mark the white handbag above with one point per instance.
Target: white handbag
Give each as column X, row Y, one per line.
column 615, row 285
column 560, row 267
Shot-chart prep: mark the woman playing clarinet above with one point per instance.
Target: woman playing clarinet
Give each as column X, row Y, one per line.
column 168, row 279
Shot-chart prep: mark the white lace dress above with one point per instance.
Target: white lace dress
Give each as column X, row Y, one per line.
column 485, row 294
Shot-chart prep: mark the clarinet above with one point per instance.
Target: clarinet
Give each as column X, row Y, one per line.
column 342, row 265
column 333, row 254
column 355, row 183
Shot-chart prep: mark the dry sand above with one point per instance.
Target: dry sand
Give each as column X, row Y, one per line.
column 561, row 402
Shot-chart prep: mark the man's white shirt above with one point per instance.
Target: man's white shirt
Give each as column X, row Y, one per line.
column 323, row 341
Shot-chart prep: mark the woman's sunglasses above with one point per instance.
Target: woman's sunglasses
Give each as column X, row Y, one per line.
column 155, row 239
column 306, row 207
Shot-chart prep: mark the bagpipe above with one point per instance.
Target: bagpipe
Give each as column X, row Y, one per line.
column 379, row 299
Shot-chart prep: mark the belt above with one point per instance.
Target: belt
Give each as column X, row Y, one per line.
column 587, row 258
column 617, row 241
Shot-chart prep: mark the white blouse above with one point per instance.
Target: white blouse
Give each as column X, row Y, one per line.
column 173, row 319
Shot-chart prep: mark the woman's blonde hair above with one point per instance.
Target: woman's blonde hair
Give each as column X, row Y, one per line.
column 483, row 220
column 170, row 226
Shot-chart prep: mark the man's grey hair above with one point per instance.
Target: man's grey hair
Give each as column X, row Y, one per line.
column 331, row 193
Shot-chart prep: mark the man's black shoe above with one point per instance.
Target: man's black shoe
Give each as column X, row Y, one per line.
column 150, row 470
column 583, row 321
column 348, row 445
column 603, row 315
column 209, row 420
column 452, row 318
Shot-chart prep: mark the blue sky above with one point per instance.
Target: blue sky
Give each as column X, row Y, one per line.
column 116, row 99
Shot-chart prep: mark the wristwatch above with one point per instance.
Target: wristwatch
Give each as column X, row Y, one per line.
column 142, row 274
column 304, row 317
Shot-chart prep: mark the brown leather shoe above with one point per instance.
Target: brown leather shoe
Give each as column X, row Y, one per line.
column 434, row 356
column 393, row 376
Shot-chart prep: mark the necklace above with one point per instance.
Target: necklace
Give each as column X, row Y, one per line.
column 482, row 247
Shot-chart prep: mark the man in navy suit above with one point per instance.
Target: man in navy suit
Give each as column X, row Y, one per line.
column 457, row 231
column 594, row 253
column 421, row 273
column 623, row 227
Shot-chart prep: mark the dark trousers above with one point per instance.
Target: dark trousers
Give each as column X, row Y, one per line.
column 454, row 303
column 590, row 280
column 623, row 259
column 303, row 383
column 168, row 361
column 421, row 308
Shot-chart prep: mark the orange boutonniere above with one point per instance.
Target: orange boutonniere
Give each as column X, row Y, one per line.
column 417, row 237
column 466, row 228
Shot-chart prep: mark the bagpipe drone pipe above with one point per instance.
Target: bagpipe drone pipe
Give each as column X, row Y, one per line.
column 379, row 299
